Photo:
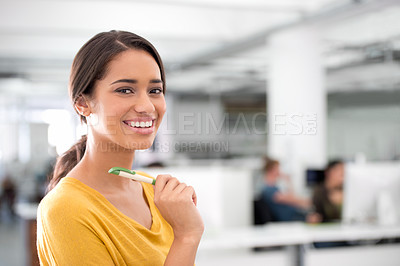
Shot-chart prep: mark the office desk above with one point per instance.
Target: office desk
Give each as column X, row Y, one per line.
column 295, row 236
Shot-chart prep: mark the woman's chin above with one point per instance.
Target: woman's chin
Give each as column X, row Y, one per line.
column 143, row 145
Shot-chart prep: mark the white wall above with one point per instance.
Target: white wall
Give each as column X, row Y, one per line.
column 373, row 131
column 192, row 119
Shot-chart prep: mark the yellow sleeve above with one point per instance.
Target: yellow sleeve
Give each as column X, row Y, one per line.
column 64, row 238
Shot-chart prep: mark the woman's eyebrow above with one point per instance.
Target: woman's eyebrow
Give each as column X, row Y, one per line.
column 125, row 81
column 156, row 81
column 134, row 81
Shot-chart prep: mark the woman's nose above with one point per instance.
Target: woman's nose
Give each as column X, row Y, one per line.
column 144, row 104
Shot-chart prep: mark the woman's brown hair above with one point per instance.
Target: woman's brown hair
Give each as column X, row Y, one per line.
column 89, row 65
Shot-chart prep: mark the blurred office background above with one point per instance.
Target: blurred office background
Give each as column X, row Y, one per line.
column 301, row 81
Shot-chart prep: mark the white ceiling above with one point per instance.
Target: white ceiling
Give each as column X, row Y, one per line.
column 198, row 39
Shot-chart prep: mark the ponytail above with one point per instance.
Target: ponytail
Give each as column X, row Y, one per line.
column 67, row 161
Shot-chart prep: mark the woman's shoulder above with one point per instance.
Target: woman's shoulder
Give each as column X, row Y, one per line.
column 319, row 188
column 68, row 196
column 319, row 193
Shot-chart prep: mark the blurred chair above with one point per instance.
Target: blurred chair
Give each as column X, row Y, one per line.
column 261, row 212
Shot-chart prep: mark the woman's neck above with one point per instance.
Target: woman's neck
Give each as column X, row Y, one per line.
column 99, row 157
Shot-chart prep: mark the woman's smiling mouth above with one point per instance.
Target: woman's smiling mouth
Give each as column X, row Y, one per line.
column 145, row 126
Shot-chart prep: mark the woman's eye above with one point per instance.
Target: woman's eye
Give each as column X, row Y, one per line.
column 125, row 90
column 156, row 91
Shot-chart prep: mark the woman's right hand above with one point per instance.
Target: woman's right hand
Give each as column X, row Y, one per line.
column 177, row 204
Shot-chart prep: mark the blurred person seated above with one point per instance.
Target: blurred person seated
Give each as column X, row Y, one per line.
column 328, row 196
column 8, row 195
column 284, row 205
column 328, row 199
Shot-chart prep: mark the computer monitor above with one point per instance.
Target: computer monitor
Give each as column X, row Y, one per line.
column 314, row 177
column 368, row 188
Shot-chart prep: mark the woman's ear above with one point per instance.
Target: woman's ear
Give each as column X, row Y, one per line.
column 82, row 106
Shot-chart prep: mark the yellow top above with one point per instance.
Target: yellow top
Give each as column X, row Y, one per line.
column 76, row 225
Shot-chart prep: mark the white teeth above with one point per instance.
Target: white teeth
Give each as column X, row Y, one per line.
column 141, row 124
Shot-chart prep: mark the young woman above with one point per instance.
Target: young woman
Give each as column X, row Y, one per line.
column 328, row 196
column 91, row 217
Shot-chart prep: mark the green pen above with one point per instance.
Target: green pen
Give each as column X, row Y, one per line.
column 135, row 175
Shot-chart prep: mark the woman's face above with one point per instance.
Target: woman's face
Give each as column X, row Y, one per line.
column 335, row 176
column 128, row 103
